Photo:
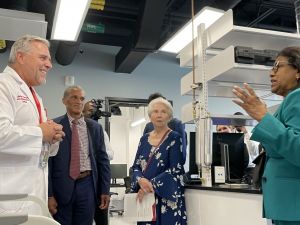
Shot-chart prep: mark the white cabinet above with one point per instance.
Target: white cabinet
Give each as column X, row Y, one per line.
column 218, row 207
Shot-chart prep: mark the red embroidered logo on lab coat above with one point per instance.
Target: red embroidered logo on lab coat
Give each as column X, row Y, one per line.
column 22, row 98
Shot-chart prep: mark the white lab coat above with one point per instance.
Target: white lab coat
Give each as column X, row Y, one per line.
column 252, row 147
column 109, row 150
column 20, row 144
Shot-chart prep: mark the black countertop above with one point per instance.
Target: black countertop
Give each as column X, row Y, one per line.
column 225, row 188
column 117, row 185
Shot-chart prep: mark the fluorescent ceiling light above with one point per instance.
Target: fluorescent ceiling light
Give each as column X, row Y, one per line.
column 138, row 122
column 179, row 40
column 68, row 19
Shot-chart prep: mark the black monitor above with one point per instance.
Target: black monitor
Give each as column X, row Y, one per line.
column 230, row 150
column 193, row 168
column 118, row 171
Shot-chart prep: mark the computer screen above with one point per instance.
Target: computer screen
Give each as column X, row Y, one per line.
column 193, row 168
column 230, row 146
column 118, row 171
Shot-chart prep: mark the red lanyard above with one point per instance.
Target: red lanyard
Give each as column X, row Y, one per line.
column 38, row 104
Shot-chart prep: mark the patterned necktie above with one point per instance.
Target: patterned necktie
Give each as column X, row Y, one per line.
column 75, row 151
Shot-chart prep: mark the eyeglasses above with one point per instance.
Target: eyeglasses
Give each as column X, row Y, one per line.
column 279, row 64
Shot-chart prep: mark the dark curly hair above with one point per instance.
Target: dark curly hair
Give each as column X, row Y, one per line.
column 293, row 55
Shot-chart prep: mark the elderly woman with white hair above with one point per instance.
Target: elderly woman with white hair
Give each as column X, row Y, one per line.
column 158, row 167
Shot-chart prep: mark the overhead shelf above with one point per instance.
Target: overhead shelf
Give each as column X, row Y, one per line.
column 223, row 67
column 186, row 54
column 187, row 113
column 224, row 90
column 235, row 120
column 222, row 73
column 187, row 81
column 224, row 33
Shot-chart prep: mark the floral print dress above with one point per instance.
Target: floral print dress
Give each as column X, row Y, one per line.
column 165, row 171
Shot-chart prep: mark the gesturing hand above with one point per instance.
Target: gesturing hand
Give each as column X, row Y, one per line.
column 250, row 102
column 52, row 132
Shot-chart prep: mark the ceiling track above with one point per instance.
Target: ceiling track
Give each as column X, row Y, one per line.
column 277, row 5
column 261, row 17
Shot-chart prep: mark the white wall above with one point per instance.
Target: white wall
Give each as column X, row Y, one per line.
column 125, row 138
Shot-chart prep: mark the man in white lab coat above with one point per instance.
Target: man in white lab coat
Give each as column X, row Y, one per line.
column 26, row 137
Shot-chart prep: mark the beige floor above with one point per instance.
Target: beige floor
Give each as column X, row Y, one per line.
column 118, row 220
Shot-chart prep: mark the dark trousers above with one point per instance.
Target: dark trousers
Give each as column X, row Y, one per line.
column 101, row 216
column 80, row 210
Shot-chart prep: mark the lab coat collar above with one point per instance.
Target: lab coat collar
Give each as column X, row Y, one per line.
column 23, row 86
column 14, row 75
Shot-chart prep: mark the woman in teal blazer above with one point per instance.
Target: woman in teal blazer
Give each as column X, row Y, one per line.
column 280, row 136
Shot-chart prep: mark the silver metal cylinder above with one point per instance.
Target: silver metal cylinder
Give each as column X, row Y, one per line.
column 297, row 13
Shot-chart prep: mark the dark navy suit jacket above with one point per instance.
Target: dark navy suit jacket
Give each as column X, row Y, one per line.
column 61, row 185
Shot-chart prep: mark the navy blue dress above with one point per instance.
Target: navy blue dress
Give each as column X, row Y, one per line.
column 165, row 172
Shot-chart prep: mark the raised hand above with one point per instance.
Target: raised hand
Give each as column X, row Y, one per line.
column 250, row 102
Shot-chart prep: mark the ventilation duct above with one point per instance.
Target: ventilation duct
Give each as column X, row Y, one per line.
column 66, row 51
column 147, row 38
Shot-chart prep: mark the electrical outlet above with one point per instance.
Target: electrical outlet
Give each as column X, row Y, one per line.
column 219, row 174
column 69, row 80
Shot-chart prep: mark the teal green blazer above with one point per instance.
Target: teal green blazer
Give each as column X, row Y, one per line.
column 280, row 136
